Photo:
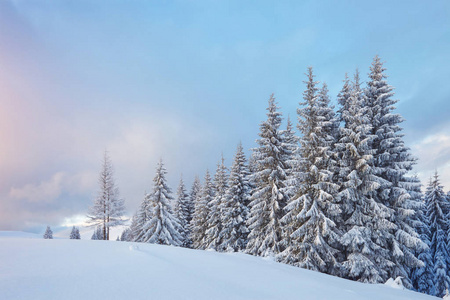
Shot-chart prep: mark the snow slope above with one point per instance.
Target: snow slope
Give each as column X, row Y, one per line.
column 34, row 268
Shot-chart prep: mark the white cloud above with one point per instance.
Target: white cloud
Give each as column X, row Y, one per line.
column 48, row 191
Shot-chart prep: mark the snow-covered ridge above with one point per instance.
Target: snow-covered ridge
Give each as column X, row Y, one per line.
column 34, row 268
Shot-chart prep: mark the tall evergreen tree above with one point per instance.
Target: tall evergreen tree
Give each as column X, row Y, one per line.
column 309, row 214
column 267, row 199
column 365, row 222
column 163, row 227
column 436, row 205
column 214, row 221
column 234, row 231
column 391, row 162
column 108, row 208
column 182, row 212
column 193, row 197
column 198, row 224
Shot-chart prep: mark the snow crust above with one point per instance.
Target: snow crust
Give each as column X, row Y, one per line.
column 32, row 268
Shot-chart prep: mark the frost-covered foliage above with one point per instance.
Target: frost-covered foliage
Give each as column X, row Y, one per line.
column 75, row 233
column 199, row 225
column 311, row 211
column 391, row 162
column 268, row 199
column 212, row 238
column 109, row 208
column 48, row 234
column 365, row 222
column 163, row 227
column 182, row 212
column 437, row 204
column 234, row 233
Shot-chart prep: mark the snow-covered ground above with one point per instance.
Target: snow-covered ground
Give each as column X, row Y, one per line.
column 34, row 268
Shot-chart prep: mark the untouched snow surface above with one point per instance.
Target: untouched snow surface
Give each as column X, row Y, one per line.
column 34, row 268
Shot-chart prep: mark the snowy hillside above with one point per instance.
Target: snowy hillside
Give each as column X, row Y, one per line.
column 34, row 268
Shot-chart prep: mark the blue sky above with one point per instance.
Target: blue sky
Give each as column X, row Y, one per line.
column 188, row 80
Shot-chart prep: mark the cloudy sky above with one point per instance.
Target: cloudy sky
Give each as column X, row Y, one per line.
column 186, row 81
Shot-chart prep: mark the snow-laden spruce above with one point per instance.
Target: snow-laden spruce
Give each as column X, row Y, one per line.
column 98, row 233
column 143, row 215
column 233, row 235
column 212, row 238
column 437, row 204
column 365, row 222
column 48, row 234
column 392, row 161
column 182, row 212
column 201, row 211
column 108, row 208
column 311, row 211
column 163, row 227
column 75, row 233
column 268, row 199
column 422, row 279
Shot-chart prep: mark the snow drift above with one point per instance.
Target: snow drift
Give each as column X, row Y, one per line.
column 34, row 268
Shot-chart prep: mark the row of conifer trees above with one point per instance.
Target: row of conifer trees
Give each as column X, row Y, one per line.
column 338, row 198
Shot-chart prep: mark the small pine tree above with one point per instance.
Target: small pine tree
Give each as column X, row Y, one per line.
column 98, row 234
column 48, row 235
column 234, row 209
column 212, row 238
column 182, row 212
column 436, row 204
column 163, row 227
column 201, row 212
column 75, row 233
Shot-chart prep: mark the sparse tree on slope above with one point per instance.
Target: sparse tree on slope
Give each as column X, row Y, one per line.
column 75, row 233
column 392, row 161
column 269, row 180
column 48, row 235
column 365, row 222
column 163, row 227
column 310, row 213
column 108, row 208
column 182, row 207
column 201, row 212
column 234, row 210
column 437, row 204
column 212, row 238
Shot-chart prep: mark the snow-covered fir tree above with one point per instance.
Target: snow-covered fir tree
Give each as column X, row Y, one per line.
column 365, row 222
column 293, row 158
column 193, row 196
column 201, row 212
column 108, row 208
column 436, row 204
column 269, row 180
column 48, row 234
column 233, row 235
column 143, row 215
column 391, row 162
column 75, row 233
column 133, row 228
column 182, row 211
column 422, row 279
column 310, row 212
column 212, row 238
column 163, row 227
